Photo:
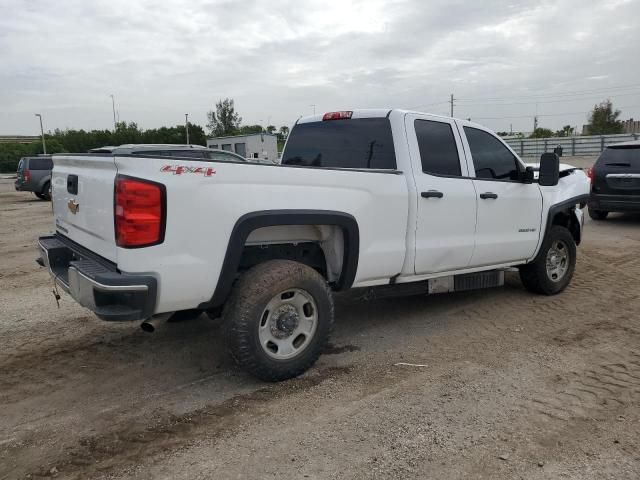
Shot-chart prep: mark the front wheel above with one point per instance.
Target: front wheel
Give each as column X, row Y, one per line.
column 278, row 319
column 552, row 269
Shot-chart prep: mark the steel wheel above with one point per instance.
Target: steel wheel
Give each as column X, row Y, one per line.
column 557, row 261
column 288, row 324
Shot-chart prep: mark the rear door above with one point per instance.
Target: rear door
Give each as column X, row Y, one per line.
column 446, row 199
column 83, row 201
column 509, row 211
column 617, row 171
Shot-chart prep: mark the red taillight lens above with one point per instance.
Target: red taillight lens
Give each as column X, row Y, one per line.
column 590, row 175
column 26, row 175
column 139, row 212
column 344, row 115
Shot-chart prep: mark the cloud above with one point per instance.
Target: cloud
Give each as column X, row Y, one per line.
column 276, row 58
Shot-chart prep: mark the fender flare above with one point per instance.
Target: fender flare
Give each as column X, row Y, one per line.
column 270, row 218
column 564, row 205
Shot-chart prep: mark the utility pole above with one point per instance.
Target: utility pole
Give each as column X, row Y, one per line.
column 451, row 102
column 186, row 125
column 314, row 108
column 44, row 146
column 511, row 129
column 535, row 123
column 113, row 105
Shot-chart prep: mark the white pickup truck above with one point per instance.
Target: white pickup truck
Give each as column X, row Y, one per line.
column 406, row 201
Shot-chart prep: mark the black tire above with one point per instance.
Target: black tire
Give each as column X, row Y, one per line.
column 597, row 214
column 245, row 314
column 535, row 276
column 39, row 195
column 46, row 192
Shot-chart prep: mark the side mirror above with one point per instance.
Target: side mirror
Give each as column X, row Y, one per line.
column 528, row 176
column 549, row 175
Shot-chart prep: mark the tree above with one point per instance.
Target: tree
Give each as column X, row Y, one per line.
column 603, row 120
column 565, row 131
column 283, row 133
column 249, row 129
column 271, row 128
column 541, row 133
column 224, row 121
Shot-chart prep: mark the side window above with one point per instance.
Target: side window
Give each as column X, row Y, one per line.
column 438, row 151
column 491, row 158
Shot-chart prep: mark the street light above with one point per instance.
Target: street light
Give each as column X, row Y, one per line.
column 113, row 105
column 44, row 146
column 186, row 125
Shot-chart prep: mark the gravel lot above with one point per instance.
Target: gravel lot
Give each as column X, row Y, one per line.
column 514, row 385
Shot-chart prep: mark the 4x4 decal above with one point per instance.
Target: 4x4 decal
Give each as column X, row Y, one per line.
column 180, row 169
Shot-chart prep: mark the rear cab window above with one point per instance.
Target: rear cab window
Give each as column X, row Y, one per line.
column 363, row 143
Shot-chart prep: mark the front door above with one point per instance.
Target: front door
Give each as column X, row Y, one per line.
column 446, row 200
column 509, row 211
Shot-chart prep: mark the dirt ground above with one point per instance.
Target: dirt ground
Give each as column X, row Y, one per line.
column 510, row 385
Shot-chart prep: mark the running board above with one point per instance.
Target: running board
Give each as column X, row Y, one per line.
column 451, row 283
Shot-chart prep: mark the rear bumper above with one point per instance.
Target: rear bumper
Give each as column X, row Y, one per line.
column 22, row 186
column 614, row 203
column 97, row 284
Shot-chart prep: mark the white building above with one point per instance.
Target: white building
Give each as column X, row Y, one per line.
column 259, row 146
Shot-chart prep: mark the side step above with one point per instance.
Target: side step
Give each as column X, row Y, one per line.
column 451, row 283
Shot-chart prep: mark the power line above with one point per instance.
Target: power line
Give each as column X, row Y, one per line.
column 473, row 104
column 545, row 114
column 558, row 94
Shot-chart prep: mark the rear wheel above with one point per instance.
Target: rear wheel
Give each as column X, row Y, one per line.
column 278, row 319
column 553, row 267
column 46, row 192
column 597, row 214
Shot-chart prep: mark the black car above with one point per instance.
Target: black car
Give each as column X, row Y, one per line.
column 615, row 181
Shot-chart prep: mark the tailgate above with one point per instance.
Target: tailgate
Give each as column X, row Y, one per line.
column 83, row 201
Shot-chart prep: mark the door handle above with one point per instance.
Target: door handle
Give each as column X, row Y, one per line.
column 432, row 194
column 488, row 195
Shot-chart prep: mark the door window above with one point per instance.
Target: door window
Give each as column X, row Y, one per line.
column 438, row 151
column 491, row 158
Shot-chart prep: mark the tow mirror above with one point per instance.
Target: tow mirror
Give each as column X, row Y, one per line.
column 549, row 170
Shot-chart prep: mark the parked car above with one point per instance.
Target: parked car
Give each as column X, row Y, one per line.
column 615, row 181
column 34, row 175
column 171, row 150
column 389, row 200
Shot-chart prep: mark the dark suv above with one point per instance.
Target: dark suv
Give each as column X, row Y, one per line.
column 615, row 181
column 34, row 175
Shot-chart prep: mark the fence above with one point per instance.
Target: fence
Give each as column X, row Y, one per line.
column 583, row 145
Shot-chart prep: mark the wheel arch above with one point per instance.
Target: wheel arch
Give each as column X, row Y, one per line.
column 563, row 213
column 252, row 221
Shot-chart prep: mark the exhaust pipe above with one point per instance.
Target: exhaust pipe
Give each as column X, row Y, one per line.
column 151, row 324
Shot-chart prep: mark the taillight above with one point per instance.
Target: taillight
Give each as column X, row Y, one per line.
column 590, row 175
column 139, row 211
column 344, row 115
column 26, row 175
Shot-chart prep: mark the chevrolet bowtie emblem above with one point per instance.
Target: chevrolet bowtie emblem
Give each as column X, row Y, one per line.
column 73, row 206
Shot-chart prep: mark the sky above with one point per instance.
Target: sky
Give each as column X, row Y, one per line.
column 504, row 61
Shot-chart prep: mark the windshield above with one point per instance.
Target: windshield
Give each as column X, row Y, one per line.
column 352, row 143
